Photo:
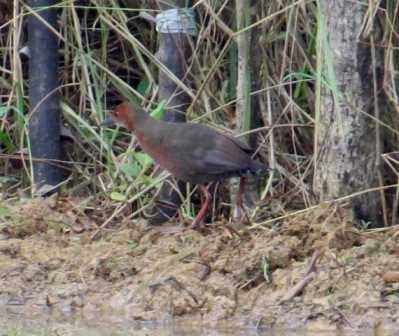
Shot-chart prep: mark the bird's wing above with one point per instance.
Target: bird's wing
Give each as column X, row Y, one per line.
column 205, row 151
column 226, row 157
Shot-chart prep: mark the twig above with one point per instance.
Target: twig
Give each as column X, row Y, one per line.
column 298, row 287
column 310, row 275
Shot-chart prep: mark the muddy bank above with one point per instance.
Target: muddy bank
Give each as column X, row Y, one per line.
column 212, row 277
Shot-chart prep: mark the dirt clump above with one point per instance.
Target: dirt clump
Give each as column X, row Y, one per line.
column 48, row 258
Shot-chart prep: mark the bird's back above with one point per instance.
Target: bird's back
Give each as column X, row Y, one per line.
column 198, row 154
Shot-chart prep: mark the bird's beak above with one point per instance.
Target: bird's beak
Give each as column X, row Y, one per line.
column 110, row 121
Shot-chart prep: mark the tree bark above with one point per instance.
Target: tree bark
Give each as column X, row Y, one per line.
column 346, row 140
column 249, row 79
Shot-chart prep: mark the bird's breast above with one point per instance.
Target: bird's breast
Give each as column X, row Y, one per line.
column 158, row 150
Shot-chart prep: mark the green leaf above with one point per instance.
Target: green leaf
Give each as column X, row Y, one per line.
column 157, row 113
column 4, row 179
column 265, row 267
column 143, row 86
column 5, row 140
column 131, row 169
column 116, row 196
column 143, row 159
column 147, row 180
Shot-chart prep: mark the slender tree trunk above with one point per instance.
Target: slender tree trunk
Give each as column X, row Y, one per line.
column 248, row 79
column 44, row 121
column 346, row 137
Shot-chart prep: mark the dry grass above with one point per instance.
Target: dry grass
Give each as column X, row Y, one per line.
column 108, row 53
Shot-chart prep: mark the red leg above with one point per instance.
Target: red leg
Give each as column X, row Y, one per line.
column 201, row 213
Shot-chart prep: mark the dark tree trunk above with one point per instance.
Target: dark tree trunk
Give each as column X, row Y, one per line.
column 256, row 73
column 44, row 121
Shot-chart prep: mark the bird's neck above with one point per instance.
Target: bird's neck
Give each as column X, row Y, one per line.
column 140, row 121
column 146, row 128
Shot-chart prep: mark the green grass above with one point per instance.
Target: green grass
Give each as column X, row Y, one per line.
column 108, row 54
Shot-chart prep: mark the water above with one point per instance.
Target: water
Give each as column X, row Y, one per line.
column 17, row 324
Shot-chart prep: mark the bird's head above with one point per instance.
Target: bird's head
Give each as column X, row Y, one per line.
column 122, row 116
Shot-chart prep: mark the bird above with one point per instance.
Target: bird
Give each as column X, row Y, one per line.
column 191, row 152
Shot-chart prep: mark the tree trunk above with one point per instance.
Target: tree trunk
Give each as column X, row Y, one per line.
column 346, row 138
column 44, row 121
column 249, row 70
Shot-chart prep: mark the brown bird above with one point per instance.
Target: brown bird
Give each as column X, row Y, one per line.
column 191, row 152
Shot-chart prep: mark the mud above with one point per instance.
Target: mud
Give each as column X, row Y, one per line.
column 55, row 259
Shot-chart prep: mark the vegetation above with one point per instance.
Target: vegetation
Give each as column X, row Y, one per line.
column 108, row 53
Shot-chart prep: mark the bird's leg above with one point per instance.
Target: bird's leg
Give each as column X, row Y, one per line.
column 201, row 213
column 240, row 201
